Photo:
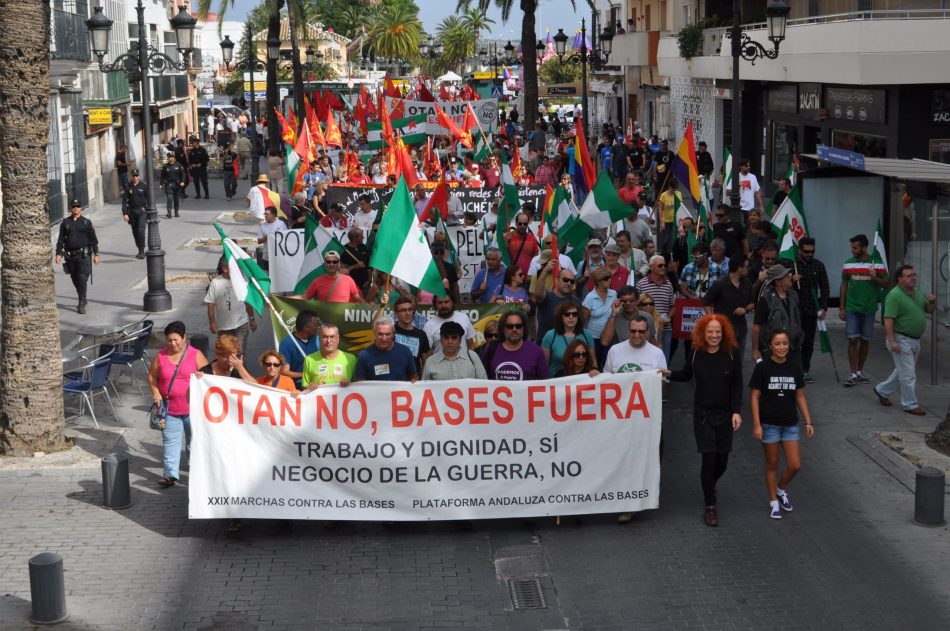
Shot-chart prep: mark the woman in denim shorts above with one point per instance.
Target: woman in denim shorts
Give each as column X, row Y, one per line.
column 778, row 395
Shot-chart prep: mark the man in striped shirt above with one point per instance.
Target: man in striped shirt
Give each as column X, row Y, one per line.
column 657, row 286
column 861, row 282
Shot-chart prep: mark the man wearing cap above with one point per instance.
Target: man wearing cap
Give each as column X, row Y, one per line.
column 704, row 161
column 546, row 246
column 257, row 195
column 198, row 165
column 77, row 239
column 699, row 276
column 172, row 180
column 452, row 361
column 333, row 286
column 135, row 198
column 229, row 170
column 619, row 275
column 593, row 259
column 777, row 308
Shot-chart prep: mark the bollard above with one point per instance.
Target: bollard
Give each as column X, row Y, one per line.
column 47, row 589
column 115, row 482
column 928, row 500
column 199, row 341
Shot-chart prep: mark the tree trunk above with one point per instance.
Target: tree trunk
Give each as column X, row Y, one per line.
column 273, row 96
column 530, row 67
column 31, row 396
column 940, row 439
column 296, row 68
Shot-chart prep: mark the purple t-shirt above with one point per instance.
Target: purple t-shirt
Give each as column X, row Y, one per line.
column 525, row 364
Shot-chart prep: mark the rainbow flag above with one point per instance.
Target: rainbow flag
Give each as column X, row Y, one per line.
column 584, row 174
column 684, row 164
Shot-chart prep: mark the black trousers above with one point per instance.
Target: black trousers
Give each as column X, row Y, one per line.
column 200, row 176
column 79, row 267
column 172, row 197
column 137, row 224
column 809, row 328
column 230, row 183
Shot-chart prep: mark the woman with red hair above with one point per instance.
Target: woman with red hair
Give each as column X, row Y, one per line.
column 716, row 364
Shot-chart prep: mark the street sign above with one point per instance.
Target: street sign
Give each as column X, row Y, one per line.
column 496, row 91
column 841, row 157
column 258, row 96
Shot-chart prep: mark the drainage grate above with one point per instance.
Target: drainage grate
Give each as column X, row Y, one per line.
column 526, row 593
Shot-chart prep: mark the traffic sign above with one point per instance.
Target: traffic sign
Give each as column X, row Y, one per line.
column 496, row 91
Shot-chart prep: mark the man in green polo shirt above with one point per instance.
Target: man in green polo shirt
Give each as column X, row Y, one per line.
column 861, row 282
column 905, row 320
column 329, row 365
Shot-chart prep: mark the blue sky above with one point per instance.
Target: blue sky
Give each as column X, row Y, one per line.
column 553, row 14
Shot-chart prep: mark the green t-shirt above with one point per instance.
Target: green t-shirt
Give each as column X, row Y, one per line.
column 910, row 317
column 863, row 292
column 323, row 371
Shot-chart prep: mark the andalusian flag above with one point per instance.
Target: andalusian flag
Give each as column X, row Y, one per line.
column 600, row 209
column 787, row 245
column 251, row 284
column 411, row 129
column 726, row 173
column 878, row 252
column 317, row 242
column 508, row 207
column 401, row 248
column 684, row 164
column 792, row 210
column 482, row 146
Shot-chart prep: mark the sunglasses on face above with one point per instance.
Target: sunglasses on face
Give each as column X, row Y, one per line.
column 646, row 304
column 660, row 265
column 522, row 223
column 808, row 252
column 514, row 327
column 569, row 281
column 331, row 261
column 570, row 314
column 720, row 215
column 580, row 354
column 491, row 336
column 271, row 365
column 638, row 331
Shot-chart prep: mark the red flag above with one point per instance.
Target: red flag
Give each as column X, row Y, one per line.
column 333, row 102
column 359, row 114
column 405, row 164
column 399, row 107
column 390, row 88
column 286, row 131
column 313, row 124
column 333, row 135
column 444, row 93
column 424, row 93
column 320, row 105
column 304, row 147
column 515, row 162
column 380, row 104
column 438, row 201
column 431, row 167
column 293, row 119
column 469, row 122
column 445, row 121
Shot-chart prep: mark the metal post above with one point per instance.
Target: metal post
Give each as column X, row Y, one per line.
column 116, row 493
column 928, row 496
column 157, row 297
column 934, row 275
column 585, row 55
column 736, row 114
column 251, row 62
column 47, row 589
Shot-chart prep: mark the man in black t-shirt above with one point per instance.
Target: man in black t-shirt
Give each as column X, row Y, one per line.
column 731, row 233
column 409, row 336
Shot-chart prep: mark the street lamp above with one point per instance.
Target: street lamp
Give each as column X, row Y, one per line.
column 594, row 56
column 745, row 48
column 136, row 64
column 251, row 64
column 430, row 47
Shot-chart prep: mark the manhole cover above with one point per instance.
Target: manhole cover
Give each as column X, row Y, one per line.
column 526, row 593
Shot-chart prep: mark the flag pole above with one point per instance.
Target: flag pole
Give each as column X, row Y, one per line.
column 276, row 313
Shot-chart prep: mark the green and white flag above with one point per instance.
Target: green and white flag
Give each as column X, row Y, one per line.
column 482, row 146
column 601, row 208
column 790, row 175
column 440, row 226
column 251, row 284
column 791, row 210
column 401, row 248
column 317, row 242
column 726, row 173
column 412, row 130
column 292, row 161
column 787, row 245
column 508, row 208
column 878, row 252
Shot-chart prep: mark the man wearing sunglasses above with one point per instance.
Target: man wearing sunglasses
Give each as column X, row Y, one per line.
column 522, row 244
column 333, row 286
column 547, row 301
column 660, row 289
column 515, row 358
column 635, row 354
column 622, row 312
column 811, row 281
column 731, row 233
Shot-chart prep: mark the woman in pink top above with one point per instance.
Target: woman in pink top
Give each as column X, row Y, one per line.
column 177, row 353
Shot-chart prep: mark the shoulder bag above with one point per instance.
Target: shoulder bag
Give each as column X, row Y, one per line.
column 158, row 411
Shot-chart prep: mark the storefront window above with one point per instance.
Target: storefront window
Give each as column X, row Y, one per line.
column 940, row 150
column 784, row 144
column 919, row 203
column 865, row 144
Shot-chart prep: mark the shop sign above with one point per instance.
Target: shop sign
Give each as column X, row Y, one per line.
column 174, row 109
column 854, row 104
column 940, row 107
column 100, row 116
column 783, row 98
column 809, row 100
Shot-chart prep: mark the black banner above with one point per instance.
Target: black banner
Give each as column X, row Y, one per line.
column 475, row 200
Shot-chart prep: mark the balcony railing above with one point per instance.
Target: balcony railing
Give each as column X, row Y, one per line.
column 70, row 39
column 117, row 86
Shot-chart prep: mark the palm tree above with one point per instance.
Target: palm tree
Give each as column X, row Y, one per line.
column 528, row 54
column 458, row 41
column 396, row 32
column 31, row 396
column 476, row 20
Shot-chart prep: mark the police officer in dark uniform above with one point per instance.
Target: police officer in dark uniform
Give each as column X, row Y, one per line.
column 198, row 162
column 172, row 181
column 77, row 243
column 136, row 194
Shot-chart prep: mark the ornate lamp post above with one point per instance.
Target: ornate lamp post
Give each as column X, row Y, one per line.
column 250, row 65
column 594, row 56
column 745, row 48
column 430, row 48
column 136, row 64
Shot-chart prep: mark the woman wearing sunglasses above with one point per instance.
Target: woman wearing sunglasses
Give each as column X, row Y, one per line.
column 271, row 362
column 568, row 327
column 578, row 359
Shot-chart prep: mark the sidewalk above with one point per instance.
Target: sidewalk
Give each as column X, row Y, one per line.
column 847, row 558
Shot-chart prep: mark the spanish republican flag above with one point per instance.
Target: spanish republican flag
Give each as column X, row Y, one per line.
column 684, row 164
column 446, row 121
column 584, row 174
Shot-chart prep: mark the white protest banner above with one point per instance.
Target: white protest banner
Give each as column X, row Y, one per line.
column 285, row 252
column 486, row 111
column 470, row 246
column 464, row 449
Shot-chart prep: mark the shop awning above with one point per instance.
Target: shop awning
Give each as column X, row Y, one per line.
column 913, row 169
